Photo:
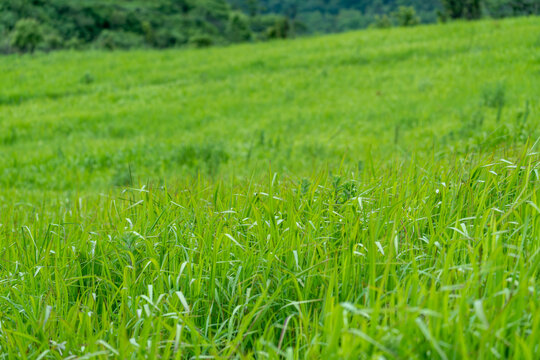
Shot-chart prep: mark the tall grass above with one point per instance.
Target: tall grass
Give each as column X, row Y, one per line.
column 428, row 258
column 372, row 195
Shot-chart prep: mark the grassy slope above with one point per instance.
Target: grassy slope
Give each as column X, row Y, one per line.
column 296, row 104
column 432, row 256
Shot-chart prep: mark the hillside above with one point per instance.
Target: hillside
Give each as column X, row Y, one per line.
column 372, row 194
column 298, row 104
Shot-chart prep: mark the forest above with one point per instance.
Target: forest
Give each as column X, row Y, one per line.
column 340, row 15
column 45, row 25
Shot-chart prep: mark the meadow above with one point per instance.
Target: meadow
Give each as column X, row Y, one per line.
column 372, row 194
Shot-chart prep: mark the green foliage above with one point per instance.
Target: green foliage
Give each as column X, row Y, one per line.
column 262, row 25
column 167, row 37
column 27, row 35
column 74, row 43
column 52, row 40
column 111, row 40
column 339, row 15
column 126, row 24
column 406, row 16
column 505, row 8
column 279, row 30
column 201, row 40
column 351, row 19
column 468, row 9
column 381, row 22
column 238, row 27
column 77, row 24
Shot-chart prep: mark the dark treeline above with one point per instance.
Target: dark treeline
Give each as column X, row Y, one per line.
column 27, row 25
column 341, row 15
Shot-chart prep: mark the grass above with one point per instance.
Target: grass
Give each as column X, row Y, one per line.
column 365, row 195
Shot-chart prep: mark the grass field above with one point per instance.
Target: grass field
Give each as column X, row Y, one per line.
column 366, row 195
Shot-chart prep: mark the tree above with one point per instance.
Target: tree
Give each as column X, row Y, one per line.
column 280, row 29
column 503, row 8
column 252, row 7
column 473, row 9
column 381, row 22
column 238, row 27
column 468, row 9
column 26, row 35
column 406, row 16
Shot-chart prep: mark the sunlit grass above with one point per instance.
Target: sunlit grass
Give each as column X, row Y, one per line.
column 93, row 117
column 416, row 259
column 372, row 195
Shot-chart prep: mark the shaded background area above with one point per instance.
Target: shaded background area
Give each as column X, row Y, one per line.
column 30, row 25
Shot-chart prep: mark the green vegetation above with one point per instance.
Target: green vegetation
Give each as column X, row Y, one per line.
column 114, row 24
column 27, row 35
column 27, row 25
column 341, row 15
column 365, row 195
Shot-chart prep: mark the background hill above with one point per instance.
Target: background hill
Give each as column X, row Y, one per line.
column 123, row 24
column 338, row 15
column 299, row 104
column 27, row 25
column 341, row 15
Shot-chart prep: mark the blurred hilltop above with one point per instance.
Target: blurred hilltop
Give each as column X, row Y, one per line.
column 29, row 25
